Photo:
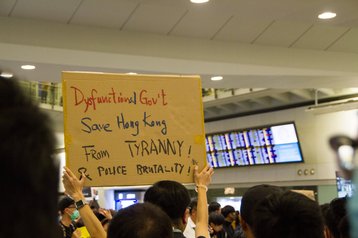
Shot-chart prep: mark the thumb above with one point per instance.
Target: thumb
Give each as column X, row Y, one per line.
column 196, row 169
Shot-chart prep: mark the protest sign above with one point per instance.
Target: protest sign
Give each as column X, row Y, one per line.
column 133, row 129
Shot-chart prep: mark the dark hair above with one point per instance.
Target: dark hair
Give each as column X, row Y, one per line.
column 227, row 210
column 171, row 196
column 216, row 218
column 64, row 203
column 193, row 205
column 140, row 220
column 333, row 213
column 214, row 206
column 31, row 176
column 288, row 215
column 344, row 227
column 252, row 197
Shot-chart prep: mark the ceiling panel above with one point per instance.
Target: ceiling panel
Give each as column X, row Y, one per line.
column 112, row 14
column 270, row 10
column 202, row 22
column 60, row 11
column 346, row 13
column 237, row 29
column 269, row 23
column 347, row 43
column 282, row 33
column 319, row 37
column 169, row 3
column 155, row 18
column 6, row 6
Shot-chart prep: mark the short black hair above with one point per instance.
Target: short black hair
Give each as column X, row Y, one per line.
column 252, row 197
column 288, row 215
column 140, row 220
column 171, row 196
column 216, row 218
column 64, row 203
column 227, row 210
column 214, row 206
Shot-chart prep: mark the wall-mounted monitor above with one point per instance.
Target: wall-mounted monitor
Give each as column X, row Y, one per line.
column 345, row 187
column 270, row 144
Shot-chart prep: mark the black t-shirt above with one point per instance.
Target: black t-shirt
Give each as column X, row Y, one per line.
column 177, row 234
column 229, row 230
column 67, row 230
column 220, row 234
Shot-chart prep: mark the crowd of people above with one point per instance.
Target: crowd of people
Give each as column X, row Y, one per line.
column 167, row 211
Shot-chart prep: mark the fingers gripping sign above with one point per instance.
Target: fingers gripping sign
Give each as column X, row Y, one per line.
column 204, row 177
column 72, row 184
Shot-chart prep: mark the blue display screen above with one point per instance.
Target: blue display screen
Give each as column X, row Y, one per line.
column 345, row 187
column 273, row 144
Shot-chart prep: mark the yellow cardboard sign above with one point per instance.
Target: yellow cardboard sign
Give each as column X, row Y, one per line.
column 133, row 129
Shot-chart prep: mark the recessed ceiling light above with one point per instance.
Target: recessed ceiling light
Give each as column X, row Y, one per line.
column 132, row 73
column 327, row 15
column 199, row 1
column 28, row 67
column 216, row 78
column 6, row 75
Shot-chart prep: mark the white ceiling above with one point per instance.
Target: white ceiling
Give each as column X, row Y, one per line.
column 253, row 44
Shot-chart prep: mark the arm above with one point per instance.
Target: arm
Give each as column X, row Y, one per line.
column 202, row 180
column 73, row 187
column 106, row 213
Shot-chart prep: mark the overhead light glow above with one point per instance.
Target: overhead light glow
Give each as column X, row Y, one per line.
column 6, row 75
column 327, row 15
column 216, row 78
column 28, row 67
column 132, row 73
column 199, row 1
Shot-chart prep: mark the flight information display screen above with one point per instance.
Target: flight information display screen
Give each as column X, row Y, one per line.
column 272, row 144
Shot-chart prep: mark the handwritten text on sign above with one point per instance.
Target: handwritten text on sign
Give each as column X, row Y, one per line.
column 131, row 130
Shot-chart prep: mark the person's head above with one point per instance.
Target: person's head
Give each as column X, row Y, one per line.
column 214, row 207
column 287, row 215
column 173, row 198
column 216, row 221
column 31, row 175
column 193, row 209
column 325, row 214
column 140, row 220
column 344, row 227
column 94, row 205
column 333, row 213
column 229, row 213
column 249, row 200
column 67, row 208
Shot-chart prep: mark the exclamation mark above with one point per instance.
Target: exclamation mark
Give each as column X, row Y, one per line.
column 189, row 169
